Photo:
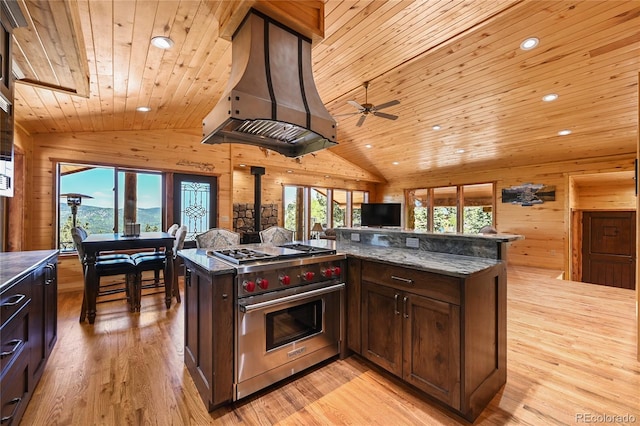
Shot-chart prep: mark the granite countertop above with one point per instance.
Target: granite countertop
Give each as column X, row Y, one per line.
column 499, row 238
column 210, row 263
column 441, row 263
column 16, row 264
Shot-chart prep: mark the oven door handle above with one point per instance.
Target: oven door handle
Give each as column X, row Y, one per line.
column 292, row 298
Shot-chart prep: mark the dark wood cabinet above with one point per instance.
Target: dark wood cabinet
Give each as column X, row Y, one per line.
column 209, row 333
column 43, row 326
column 443, row 335
column 28, row 332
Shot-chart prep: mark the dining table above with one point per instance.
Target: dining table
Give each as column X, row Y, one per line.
column 94, row 244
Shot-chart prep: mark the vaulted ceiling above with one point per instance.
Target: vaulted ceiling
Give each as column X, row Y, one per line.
column 457, row 64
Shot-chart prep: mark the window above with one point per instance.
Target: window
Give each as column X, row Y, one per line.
column 97, row 200
column 304, row 206
column 445, row 209
column 461, row 208
column 478, row 207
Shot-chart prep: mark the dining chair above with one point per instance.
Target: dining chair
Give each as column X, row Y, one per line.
column 156, row 262
column 217, row 238
column 107, row 265
column 276, row 235
column 171, row 231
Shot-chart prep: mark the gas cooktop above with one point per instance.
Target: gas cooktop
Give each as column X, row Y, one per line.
column 264, row 252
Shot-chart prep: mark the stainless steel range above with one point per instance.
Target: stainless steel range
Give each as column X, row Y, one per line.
column 289, row 310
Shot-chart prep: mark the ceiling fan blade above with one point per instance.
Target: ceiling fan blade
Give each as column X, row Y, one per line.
column 386, row 105
column 357, row 105
column 361, row 120
column 384, row 115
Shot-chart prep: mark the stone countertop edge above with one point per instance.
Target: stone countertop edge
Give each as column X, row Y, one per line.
column 454, row 265
column 14, row 265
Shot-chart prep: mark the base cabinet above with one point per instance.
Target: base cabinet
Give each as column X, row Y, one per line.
column 445, row 336
column 28, row 333
column 209, row 333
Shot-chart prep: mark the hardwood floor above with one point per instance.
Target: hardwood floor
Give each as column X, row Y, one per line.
column 571, row 355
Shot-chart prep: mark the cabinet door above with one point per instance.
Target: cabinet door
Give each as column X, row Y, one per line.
column 198, row 353
column 382, row 326
column 36, row 324
column 431, row 355
column 354, row 331
column 50, row 306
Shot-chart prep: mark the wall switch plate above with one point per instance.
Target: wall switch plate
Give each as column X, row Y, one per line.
column 413, row 242
column 355, row 237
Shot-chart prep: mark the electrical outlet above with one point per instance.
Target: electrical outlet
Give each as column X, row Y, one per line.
column 413, row 242
column 355, row 237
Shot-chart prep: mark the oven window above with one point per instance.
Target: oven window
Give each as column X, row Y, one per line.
column 295, row 323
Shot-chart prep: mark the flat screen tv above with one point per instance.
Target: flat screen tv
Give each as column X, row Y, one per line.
column 381, row 214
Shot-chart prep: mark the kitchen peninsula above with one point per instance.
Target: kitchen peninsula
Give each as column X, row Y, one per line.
column 432, row 314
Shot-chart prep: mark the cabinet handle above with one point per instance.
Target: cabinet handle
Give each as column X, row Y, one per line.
column 16, row 344
column 404, row 306
column 18, row 298
column 404, row 280
column 395, row 308
column 49, row 271
column 7, row 419
column 187, row 277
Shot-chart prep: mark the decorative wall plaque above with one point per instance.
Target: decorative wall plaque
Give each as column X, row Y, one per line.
column 528, row 194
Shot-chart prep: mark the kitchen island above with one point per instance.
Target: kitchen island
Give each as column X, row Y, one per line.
column 436, row 320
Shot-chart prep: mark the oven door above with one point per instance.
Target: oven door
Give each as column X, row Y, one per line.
column 283, row 332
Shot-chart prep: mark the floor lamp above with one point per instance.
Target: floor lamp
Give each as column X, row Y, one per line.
column 73, row 201
column 317, row 229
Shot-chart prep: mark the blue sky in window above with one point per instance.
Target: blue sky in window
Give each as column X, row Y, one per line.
column 99, row 182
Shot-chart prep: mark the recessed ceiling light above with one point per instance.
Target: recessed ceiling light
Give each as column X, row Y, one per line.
column 395, row 163
column 436, row 127
column 368, row 146
column 459, row 151
column 162, row 42
column 289, row 171
column 529, row 43
column 143, row 109
column 242, row 165
column 550, row 97
column 564, row 132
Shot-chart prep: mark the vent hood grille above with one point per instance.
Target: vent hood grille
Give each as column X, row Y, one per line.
column 271, row 100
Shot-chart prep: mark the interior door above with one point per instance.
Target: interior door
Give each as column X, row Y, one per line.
column 195, row 204
column 608, row 248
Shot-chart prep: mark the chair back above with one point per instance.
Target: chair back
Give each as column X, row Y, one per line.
column 276, row 235
column 173, row 229
column 79, row 234
column 217, row 238
column 178, row 244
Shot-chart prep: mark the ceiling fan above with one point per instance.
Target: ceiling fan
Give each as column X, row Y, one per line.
column 367, row 108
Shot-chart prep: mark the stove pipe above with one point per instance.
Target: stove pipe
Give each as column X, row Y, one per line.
column 257, row 172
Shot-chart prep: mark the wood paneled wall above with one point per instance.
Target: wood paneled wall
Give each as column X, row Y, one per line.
column 164, row 150
column 545, row 226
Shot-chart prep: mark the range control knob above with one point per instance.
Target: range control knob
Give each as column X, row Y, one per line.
column 262, row 283
column 327, row 273
column 308, row 276
column 249, row 286
column 336, row 271
column 285, row 279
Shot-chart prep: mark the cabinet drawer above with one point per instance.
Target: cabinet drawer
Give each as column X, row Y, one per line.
column 14, row 392
column 436, row 286
column 14, row 335
column 14, row 298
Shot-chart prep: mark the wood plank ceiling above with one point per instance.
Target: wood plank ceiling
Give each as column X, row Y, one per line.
column 456, row 64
